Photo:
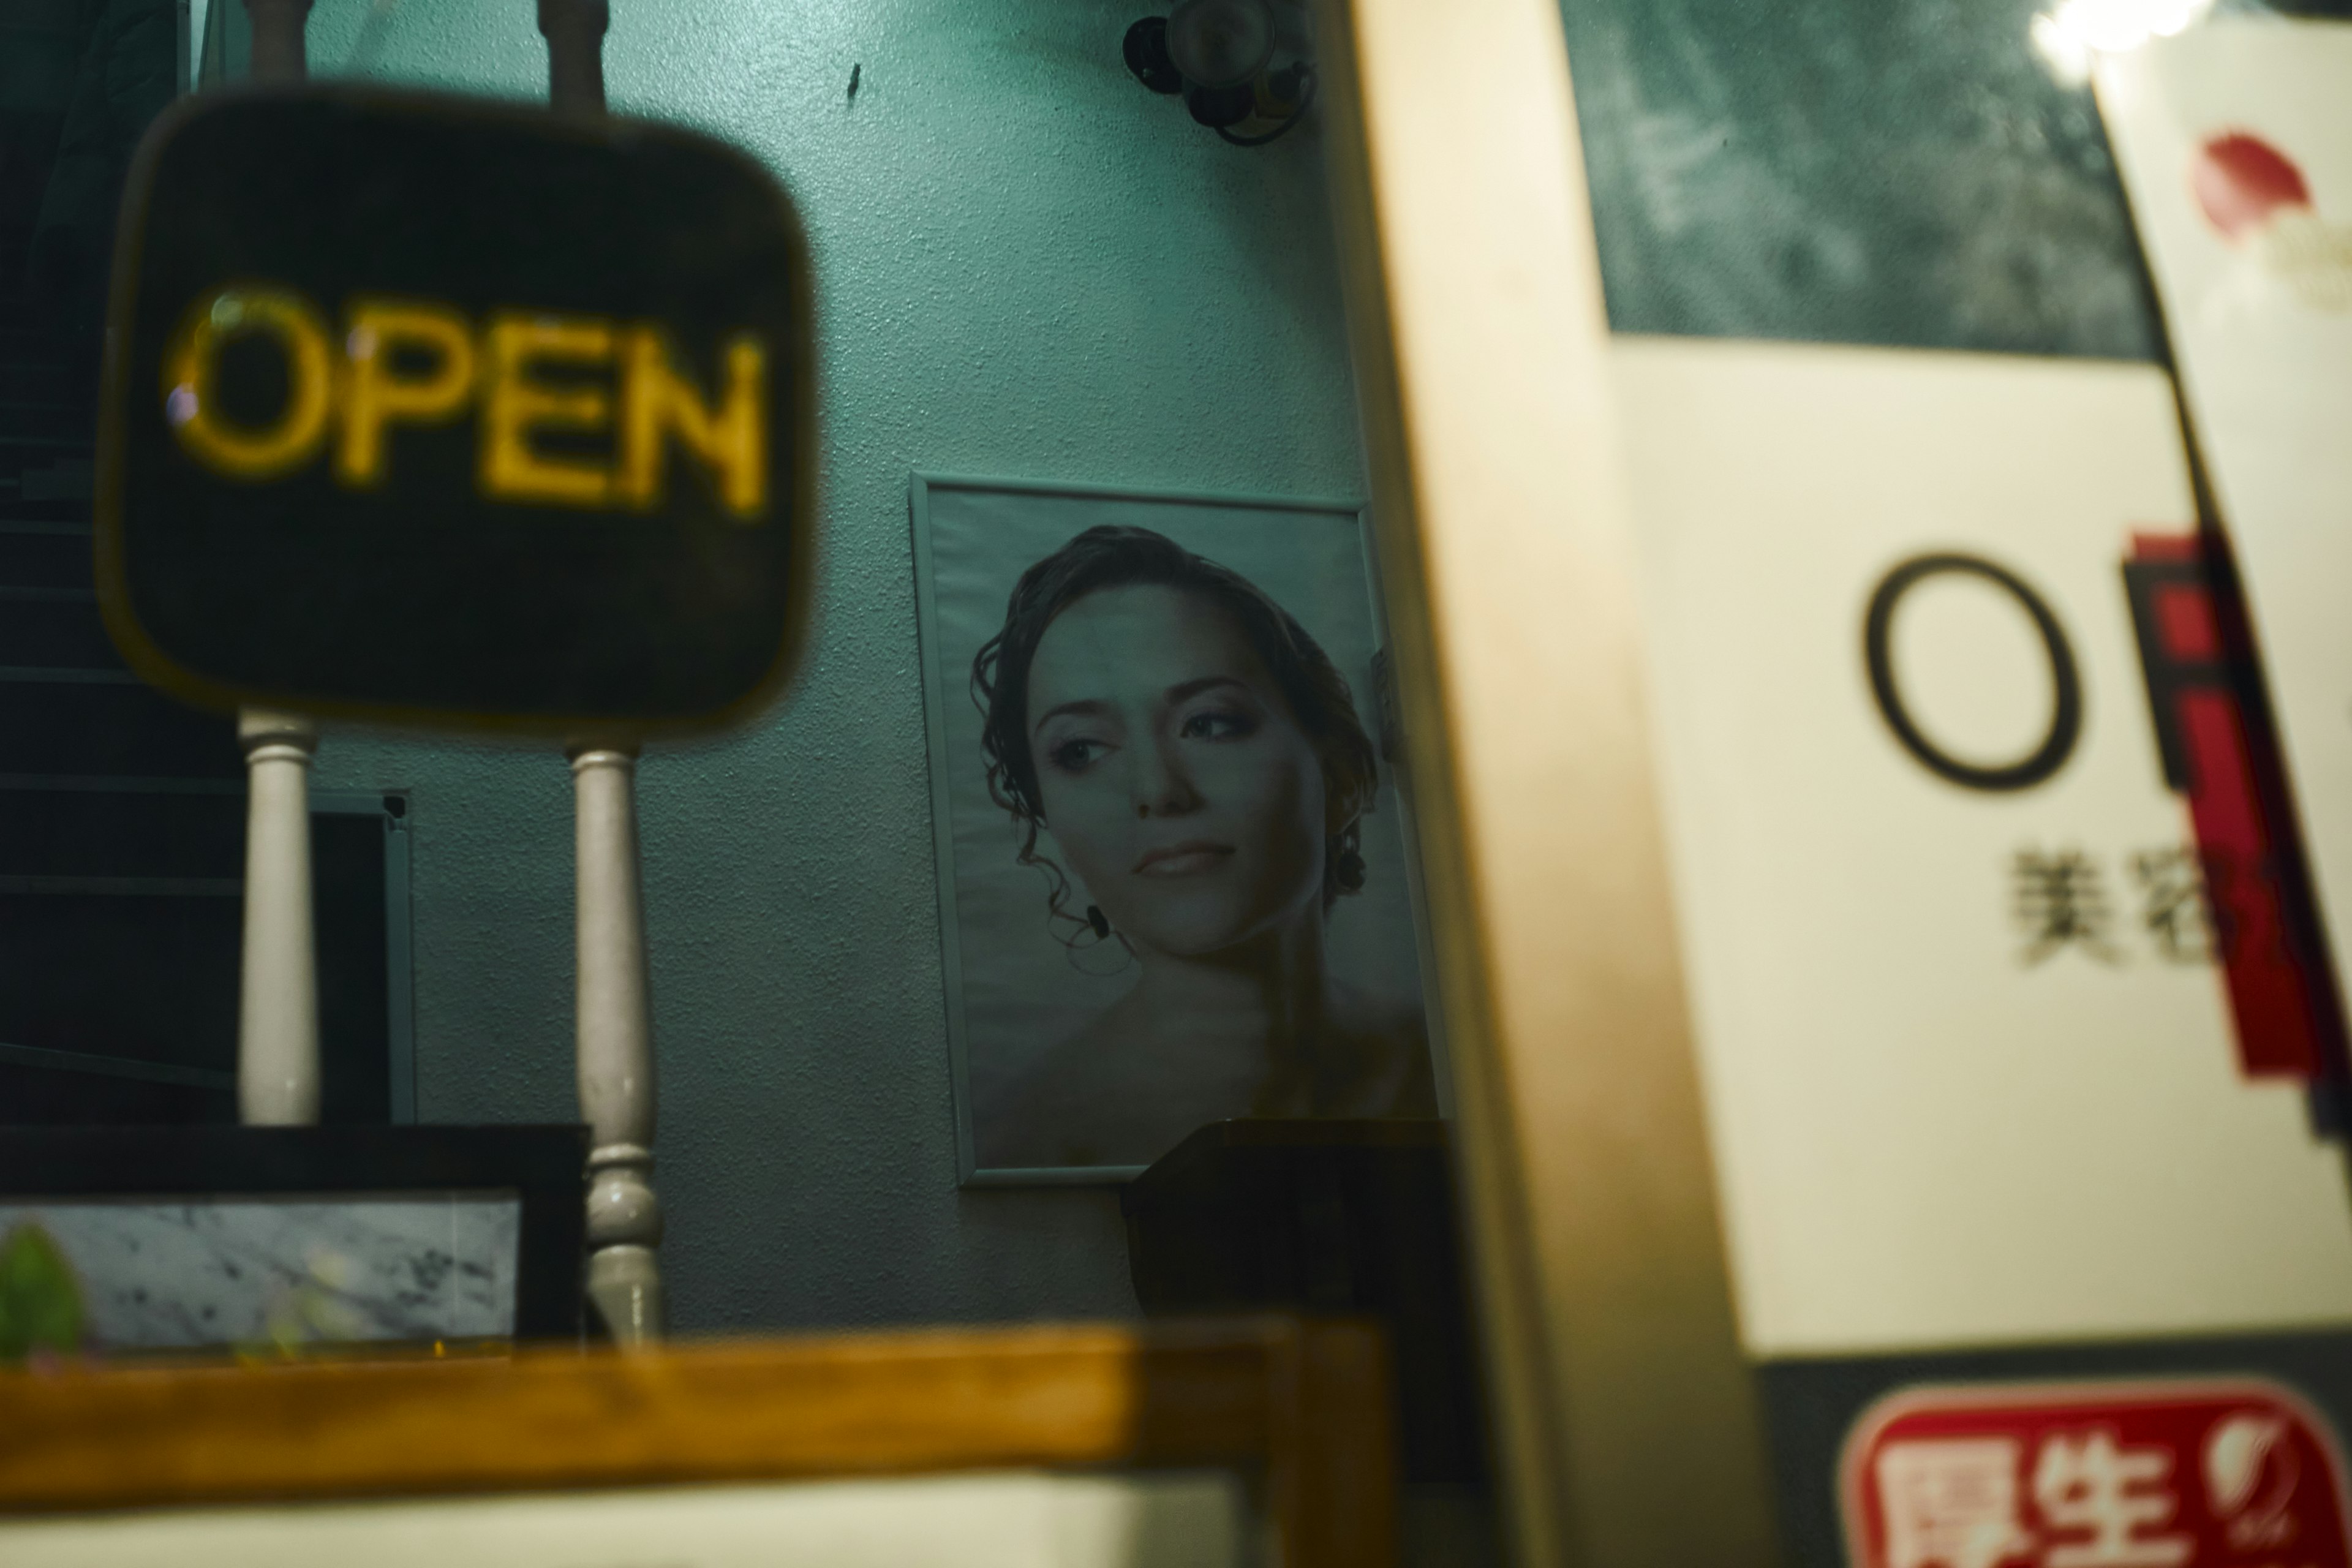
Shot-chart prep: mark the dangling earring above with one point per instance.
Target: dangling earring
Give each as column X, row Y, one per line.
column 1100, row 922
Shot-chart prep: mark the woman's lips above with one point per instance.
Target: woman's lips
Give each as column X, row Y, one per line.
column 1188, row 859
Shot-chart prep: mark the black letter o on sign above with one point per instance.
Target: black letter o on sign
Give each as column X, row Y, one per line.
column 2065, row 719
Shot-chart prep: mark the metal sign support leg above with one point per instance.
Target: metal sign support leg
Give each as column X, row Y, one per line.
column 574, row 31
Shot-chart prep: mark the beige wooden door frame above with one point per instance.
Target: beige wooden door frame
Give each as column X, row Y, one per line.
column 1628, row 1416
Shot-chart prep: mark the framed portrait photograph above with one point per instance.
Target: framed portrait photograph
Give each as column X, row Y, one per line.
column 1175, row 875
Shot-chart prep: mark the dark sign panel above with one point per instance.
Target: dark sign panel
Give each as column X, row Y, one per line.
column 427, row 409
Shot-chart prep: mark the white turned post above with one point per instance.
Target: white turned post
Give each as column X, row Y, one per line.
column 615, row 1047
column 278, row 1007
column 616, row 1023
column 278, row 998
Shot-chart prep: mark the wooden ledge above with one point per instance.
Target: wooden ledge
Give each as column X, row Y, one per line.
column 1307, row 1404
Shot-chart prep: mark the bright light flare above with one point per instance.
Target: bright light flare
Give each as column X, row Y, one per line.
column 2071, row 37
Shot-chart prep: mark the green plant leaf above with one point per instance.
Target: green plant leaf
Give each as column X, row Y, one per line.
column 41, row 1302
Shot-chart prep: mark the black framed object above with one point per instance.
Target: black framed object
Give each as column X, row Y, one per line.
column 1346, row 1217
column 539, row 1167
column 121, row 903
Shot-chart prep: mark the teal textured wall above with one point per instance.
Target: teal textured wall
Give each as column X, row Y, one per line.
column 1026, row 266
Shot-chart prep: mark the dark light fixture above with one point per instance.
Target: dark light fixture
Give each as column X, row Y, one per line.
column 1244, row 67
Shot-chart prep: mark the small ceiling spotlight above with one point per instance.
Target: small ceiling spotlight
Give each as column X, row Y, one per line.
column 1244, row 66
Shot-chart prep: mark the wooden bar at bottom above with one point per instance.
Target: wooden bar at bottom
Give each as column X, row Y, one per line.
column 1306, row 1402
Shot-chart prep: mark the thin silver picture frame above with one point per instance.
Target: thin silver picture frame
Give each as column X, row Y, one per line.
column 922, row 487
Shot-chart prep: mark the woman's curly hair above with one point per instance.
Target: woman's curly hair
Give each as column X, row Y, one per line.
column 1117, row 557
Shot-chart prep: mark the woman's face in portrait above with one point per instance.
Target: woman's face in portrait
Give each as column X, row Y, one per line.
column 1173, row 777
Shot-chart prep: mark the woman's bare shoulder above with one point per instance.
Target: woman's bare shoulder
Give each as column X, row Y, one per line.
column 1388, row 1038
column 1074, row 1105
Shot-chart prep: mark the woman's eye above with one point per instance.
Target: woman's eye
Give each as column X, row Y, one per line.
column 1218, row 726
column 1075, row 756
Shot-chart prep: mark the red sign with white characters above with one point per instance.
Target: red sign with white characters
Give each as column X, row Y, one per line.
column 2197, row 1474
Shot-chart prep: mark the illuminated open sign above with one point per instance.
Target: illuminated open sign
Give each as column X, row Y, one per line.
column 425, row 409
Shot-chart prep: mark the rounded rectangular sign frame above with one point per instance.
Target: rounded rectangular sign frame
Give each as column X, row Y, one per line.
column 440, row 412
